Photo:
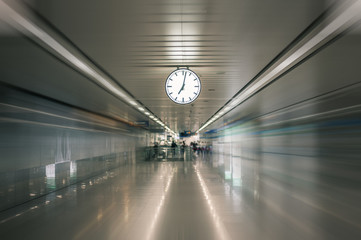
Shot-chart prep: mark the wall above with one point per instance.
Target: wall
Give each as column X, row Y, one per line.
column 46, row 145
column 293, row 150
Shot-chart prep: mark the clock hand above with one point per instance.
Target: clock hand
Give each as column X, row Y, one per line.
column 181, row 89
column 184, row 81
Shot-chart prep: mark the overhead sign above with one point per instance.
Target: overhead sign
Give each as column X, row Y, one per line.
column 142, row 124
column 186, row 134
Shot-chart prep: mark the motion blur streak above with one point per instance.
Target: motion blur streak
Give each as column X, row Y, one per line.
column 347, row 16
column 24, row 25
column 16, row 17
column 270, row 150
column 8, row 107
column 303, row 166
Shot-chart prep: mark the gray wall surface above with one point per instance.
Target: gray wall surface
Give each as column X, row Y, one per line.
column 45, row 145
column 294, row 148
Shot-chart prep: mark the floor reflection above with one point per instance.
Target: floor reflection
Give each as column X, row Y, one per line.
column 177, row 200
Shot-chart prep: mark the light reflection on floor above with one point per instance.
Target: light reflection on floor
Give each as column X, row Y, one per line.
column 165, row 200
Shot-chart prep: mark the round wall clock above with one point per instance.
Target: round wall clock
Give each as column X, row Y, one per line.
column 183, row 86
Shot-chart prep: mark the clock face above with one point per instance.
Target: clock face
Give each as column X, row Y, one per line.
column 183, row 86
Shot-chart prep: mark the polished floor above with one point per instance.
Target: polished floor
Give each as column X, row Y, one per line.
column 156, row 200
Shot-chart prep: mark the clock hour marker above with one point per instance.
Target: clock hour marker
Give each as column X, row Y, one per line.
column 182, row 99
column 190, row 98
column 175, row 98
column 196, row 86
column 195, row 93
column 169, row 86
column 170, row 93
column 170, row 79
column 195, row 79
column 176, row 74
column 189, row 74
column 182, row 72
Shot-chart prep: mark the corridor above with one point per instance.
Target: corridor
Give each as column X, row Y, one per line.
column 180, row 119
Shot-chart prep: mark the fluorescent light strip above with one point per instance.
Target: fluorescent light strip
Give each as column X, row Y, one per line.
column 344, row 20
column 18, row 21
column 24, row 24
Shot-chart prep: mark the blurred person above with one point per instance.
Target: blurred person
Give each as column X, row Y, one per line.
column 155, row 150
column 173, row 146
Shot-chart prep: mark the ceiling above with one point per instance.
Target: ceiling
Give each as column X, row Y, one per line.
column 139, row 42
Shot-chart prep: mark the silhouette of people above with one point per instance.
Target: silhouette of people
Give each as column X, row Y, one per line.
column 173, row 146
column 155, row 149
